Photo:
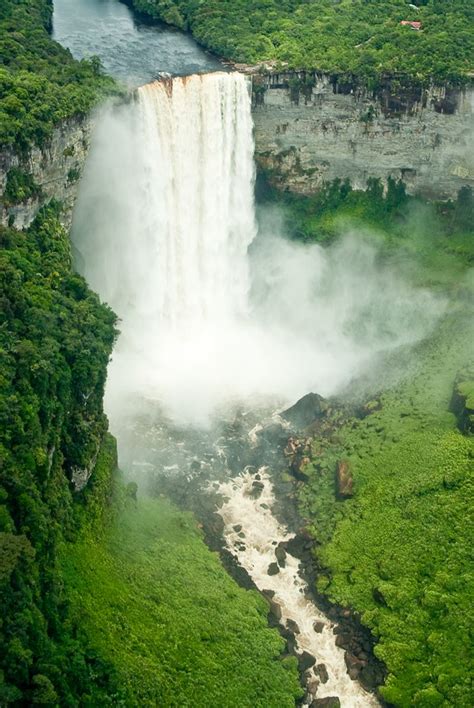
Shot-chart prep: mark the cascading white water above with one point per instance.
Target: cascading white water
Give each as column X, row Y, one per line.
column 163, row 224
column 252, row 533
column 197, row 202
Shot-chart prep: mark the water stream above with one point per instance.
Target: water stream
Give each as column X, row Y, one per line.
column 131, row 49
column 253, row 535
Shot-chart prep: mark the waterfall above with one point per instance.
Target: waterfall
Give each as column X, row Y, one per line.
column 197, row 212
column 162, row 227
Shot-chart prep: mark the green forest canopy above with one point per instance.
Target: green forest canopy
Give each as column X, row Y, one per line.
column 40, row 82
column 363, row 37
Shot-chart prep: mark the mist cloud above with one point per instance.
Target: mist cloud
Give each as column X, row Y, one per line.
column 316, row 317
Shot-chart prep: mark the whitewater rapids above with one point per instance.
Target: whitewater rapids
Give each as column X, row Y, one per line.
column 252, row 535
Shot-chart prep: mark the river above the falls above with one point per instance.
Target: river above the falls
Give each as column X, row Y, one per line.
column 131, row 49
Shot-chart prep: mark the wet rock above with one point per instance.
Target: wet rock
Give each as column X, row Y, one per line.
column 328, row 702
column 273, row 569
column 300, row 546
column 344, row 480
column 268, row 594
column 236, row 571
column 292, row 626
column 321, row 671
column 306, row 661
column 256, row 489
column 318, row 626
column 237, row 528
column 354, row 665
column 290, row 640
column 275, row 609
column 280, row 554
column 371, row 676
column 273, row 435
column 216, row 525
column 305, row 411
column 312, row 685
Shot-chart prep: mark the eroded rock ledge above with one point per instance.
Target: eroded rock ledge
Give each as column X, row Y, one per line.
column 52, row 171
column 311, row 129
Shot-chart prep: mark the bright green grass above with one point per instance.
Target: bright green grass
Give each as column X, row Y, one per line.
column 400, row 551
column 158, row 605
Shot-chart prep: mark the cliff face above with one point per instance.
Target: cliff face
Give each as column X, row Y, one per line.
column 310, row 130
column 53, row 170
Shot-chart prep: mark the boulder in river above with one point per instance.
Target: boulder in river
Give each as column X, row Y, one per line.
column 275, row 609
column 321, row 671
column 318, row 626
column 280, row 553
column 306, row 410
column 306, row 661
column 292, row 626
column 344, row 480
column 354, row 665
column 328, row 702
column 256, row 489
column 273, row 569
column 273, row 435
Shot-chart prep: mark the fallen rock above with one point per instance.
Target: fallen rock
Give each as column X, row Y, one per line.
column 306, row 410
column 328, row 702
column 354, row 665
column 344, row 480
column 274, row 435
column 321, row 671
column 312, row 685
column 280, row 554
column 273, row 569
column 237, row 528
column 292, row 626
column 257, row 489
column 318, row 626
column 306, row 661
column 275, row 609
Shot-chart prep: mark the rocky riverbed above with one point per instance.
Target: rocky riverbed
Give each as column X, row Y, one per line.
column 230, row 477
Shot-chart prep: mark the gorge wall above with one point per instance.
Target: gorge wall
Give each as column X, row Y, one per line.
column 310, row 130
column 49, row 172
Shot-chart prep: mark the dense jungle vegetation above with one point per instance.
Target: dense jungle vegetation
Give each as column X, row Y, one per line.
column 361, row 37
column 399, row 550
column 156, row 604
column 55, row 341
column 40, row 83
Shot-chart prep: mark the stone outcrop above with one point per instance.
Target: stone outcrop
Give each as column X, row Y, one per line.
column 306, row 410
column 55, row 169
column 344, row 480
column 311, row 129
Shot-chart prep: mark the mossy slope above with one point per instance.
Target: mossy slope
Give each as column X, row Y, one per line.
column 158, row 606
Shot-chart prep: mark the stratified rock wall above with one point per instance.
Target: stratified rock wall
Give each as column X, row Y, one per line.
column 55, row 168
column 310, row 130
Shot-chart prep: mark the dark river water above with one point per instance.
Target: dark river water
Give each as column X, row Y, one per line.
column 131, row 50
